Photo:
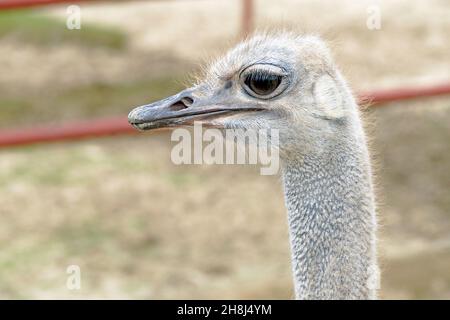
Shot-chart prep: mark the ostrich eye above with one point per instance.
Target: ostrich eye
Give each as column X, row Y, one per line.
column 264, row 81
column 262, row 84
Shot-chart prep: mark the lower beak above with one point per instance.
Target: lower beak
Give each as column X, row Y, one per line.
column 178, row 110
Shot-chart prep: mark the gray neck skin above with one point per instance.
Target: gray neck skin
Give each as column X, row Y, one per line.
column 331, row 217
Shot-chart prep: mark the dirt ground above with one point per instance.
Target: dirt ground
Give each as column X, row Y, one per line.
column 140, row 227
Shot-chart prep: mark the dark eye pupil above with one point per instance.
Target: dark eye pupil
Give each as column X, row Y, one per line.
column 263, row 84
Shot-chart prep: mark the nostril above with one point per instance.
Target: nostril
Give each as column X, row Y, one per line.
column 184, row 103
column 188, row 101
column 178, row 106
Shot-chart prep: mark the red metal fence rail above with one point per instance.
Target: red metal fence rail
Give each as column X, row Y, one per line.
column 391, row 95
column 246, row 23
column 66, row 132
column 17, row 4
column 111, row 126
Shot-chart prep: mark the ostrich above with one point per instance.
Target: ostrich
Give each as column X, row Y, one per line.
column 291, row 83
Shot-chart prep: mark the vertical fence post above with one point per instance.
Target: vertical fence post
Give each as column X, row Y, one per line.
column 247, row 17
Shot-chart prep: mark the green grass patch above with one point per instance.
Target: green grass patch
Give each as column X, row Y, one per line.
column 83, row 102
column 40, row 29
column 100, row 98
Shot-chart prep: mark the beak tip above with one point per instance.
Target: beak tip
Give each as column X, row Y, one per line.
column 138, row 120
column 134, row 119
column 133, row 116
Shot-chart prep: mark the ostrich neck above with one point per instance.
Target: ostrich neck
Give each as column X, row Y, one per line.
column 331, row 217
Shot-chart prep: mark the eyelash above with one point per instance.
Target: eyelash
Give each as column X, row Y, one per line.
column 260, row 75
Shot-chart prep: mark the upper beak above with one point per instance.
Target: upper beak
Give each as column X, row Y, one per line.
column 179, row 110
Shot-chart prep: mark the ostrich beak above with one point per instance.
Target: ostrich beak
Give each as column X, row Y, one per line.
column 182, row 109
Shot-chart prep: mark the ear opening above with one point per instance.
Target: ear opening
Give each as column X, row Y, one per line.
column 328, row 98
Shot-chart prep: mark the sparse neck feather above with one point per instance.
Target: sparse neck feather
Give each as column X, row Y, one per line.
column 331, row 217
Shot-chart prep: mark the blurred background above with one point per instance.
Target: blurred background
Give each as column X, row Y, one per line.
column 139, row 226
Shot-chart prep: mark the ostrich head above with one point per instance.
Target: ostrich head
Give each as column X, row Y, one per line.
column 291, row 84
column 280, row 81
